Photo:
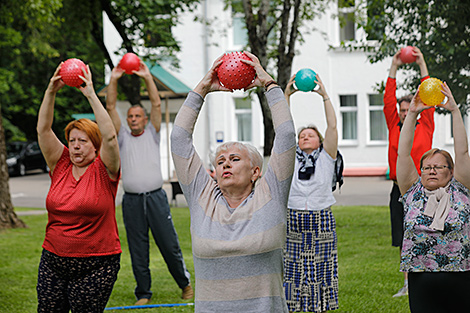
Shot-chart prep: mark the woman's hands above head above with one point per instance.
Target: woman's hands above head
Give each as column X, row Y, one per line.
column 396, row 60
column 56, row 83
column 88, row 89
column 117, row 72
column 210, row 82
column 417, row 105
column 450, row 104
column 321, row 90
column 419, row 56
column 261, row 78
column 290, row 89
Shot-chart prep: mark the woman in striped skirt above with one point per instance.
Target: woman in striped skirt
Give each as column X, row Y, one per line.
column 310, row 257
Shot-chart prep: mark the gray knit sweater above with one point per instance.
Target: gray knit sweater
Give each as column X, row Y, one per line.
column 237, row 253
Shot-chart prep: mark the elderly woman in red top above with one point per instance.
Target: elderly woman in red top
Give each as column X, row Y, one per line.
column 81, row 250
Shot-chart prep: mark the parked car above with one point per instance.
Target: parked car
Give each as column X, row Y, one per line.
column 24, row 156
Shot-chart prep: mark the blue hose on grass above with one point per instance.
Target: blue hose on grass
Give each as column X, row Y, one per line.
column 149, row 306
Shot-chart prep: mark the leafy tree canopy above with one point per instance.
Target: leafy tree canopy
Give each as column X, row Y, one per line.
column 36, row 35
column 439, row 28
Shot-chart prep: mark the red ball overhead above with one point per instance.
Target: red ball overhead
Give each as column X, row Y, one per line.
column 233, row 73
column 70, row 70
column 406, row 55
column 130, row 62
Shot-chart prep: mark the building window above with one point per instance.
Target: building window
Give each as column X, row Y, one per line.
column 348, row 110
column 240, row 34
column 243, row 116
column 377, row 124
column 347, row 27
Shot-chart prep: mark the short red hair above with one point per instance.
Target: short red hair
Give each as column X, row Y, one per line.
column 87, row 126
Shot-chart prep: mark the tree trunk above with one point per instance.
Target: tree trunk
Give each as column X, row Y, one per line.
column 130, row 84
column 8, row 218
column 267, row 122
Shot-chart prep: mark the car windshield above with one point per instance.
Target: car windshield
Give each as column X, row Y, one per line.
column 14, row 148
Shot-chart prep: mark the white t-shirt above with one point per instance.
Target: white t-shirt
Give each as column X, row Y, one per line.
column 315, row 193
column 140, row 160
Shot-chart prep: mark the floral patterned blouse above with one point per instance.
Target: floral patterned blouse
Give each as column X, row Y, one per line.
column 428, row 250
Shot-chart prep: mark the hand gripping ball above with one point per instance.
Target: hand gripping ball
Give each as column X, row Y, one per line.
column 70, row 70
column 233, row 73
column 130, row 62
column 406, row 55
column 430, row 91
column 305, row 79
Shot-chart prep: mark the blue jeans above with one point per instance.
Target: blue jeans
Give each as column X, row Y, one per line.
column 150, row 210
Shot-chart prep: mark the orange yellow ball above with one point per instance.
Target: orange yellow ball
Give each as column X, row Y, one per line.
column 430, row 92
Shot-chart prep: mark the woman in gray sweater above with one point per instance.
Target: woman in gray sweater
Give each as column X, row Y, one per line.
column 237, row 220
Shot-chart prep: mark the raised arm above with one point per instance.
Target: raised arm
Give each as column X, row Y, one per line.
column 421, row 63
column 290, row 89
column 330, row 143
column 462, row 159
column 111, row 97
column 50, row 145
column 407, row 174
column 187, row 163
column 156, row 110
column 109, row 151
column 390, row 98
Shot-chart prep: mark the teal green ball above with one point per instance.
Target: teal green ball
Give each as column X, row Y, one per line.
column 305, row 79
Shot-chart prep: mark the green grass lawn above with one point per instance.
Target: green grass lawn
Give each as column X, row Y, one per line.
column 368, row 265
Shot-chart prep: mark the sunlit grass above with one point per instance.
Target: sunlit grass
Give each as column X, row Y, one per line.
column 368, row 264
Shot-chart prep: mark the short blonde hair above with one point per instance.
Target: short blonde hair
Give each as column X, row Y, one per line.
column 444, row 153
column 256, row 159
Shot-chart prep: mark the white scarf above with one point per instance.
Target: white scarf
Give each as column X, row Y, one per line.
column 438, row 206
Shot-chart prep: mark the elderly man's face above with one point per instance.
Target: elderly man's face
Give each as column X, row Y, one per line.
column 136, row 119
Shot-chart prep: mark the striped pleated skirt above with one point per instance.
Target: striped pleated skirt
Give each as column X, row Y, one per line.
column 311, row 261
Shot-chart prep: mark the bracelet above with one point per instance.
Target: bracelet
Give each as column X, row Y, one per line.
column 326, row 99
column 270, row 83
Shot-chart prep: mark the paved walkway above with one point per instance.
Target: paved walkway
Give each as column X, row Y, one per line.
column 355, row 191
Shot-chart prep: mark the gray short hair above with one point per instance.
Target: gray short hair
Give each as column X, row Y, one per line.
column 255, row 157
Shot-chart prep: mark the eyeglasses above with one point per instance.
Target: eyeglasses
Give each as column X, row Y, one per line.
column 437, row 168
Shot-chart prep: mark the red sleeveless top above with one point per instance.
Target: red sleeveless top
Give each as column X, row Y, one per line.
column 82, row 214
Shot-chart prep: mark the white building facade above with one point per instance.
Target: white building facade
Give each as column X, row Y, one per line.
column 349, row 78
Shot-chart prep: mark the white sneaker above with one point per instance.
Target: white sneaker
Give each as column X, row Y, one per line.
column 402, row 292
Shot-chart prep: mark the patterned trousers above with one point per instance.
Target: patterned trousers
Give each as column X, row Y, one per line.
column 76, row 284
column 311, row 261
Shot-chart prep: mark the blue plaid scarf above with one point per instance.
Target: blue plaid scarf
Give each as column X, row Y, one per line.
column 307, row 162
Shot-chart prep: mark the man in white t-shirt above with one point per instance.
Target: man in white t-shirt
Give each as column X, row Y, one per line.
column 145, row 204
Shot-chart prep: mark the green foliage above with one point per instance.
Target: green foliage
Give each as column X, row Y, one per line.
column 36, row 35
column 438, row 28
column 368, row 264
column 148, row 24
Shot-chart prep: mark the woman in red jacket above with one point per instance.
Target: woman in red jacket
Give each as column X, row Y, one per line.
column 422, row 142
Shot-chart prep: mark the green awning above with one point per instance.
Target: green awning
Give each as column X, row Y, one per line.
column 78, row 116
column 169, row 81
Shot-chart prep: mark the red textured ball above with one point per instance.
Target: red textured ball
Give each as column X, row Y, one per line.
column 70, row 70
column 233, row 73
column 130, row 62
column 406, row 55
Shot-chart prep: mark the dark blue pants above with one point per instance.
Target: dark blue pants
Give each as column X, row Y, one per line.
column 439, row 292
column 146, row 211
column 396, row 216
